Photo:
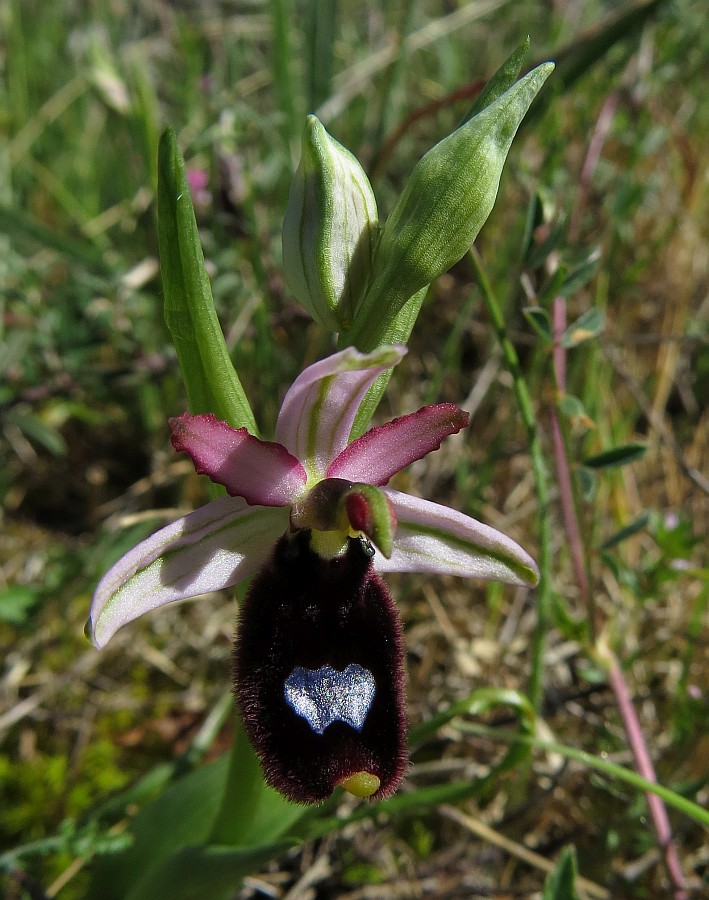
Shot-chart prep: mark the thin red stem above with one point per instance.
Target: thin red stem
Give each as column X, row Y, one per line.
column 593, row 155
column 563, row 472
column 616, row 678
column 644, row 766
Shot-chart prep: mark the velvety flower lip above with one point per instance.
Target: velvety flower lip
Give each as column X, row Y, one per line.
column 308, row 622
column 230, row 539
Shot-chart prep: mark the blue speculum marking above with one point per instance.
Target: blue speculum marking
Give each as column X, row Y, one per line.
column 323, row 696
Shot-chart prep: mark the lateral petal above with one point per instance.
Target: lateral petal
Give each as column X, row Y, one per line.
column 320, row 406
column 383, row 451
column 262, row 472
column 212, row 548
column 434, row 538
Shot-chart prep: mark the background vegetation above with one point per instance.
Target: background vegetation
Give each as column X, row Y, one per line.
column 604, row 201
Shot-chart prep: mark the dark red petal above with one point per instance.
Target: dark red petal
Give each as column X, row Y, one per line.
column 304, row 614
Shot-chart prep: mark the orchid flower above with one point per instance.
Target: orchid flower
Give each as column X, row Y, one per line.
column 319, row 652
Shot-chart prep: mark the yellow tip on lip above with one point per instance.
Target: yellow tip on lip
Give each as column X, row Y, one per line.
column 361, row 784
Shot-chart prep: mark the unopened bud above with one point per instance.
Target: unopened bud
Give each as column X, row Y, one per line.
column 445, row 203
column 329, row 230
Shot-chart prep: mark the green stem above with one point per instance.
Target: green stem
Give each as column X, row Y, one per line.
column 613, row 770
column 526, row 408
column 398, row 331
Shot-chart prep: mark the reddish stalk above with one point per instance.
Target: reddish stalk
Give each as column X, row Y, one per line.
column 563, row 473
column 616, row 678
column 644, row 766
column 595, row 147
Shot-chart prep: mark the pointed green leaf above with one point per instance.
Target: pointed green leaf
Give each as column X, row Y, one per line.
column 587, row 326
column 243, row 791
column 539, row 319
column 538, row 253
column 210, row 379
column 560, row 883
column 194, row 873
column 552, row 286
column 251, row 813
column 618, row 456
column 533, row 218
column 626, row 532
column 581, row 273
column 572, row 407
column 179, row 817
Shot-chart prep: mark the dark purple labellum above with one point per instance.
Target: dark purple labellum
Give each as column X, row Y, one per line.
column 319, row 675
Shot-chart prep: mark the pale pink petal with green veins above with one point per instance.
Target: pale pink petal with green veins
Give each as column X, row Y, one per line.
column 319, row 409
column 384, row 451
column 262, row 472
column 433, row 538
column 212, row 548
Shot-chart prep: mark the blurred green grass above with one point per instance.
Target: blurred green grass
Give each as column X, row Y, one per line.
column 88, row 377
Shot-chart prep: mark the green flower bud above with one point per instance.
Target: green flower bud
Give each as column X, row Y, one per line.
column 444, row 205
column 329, row 230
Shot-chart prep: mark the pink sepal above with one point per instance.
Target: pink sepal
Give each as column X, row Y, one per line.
column 385, row 450
column 262, row 472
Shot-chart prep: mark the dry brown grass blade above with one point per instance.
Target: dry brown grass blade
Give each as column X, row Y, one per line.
column 519, row 851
